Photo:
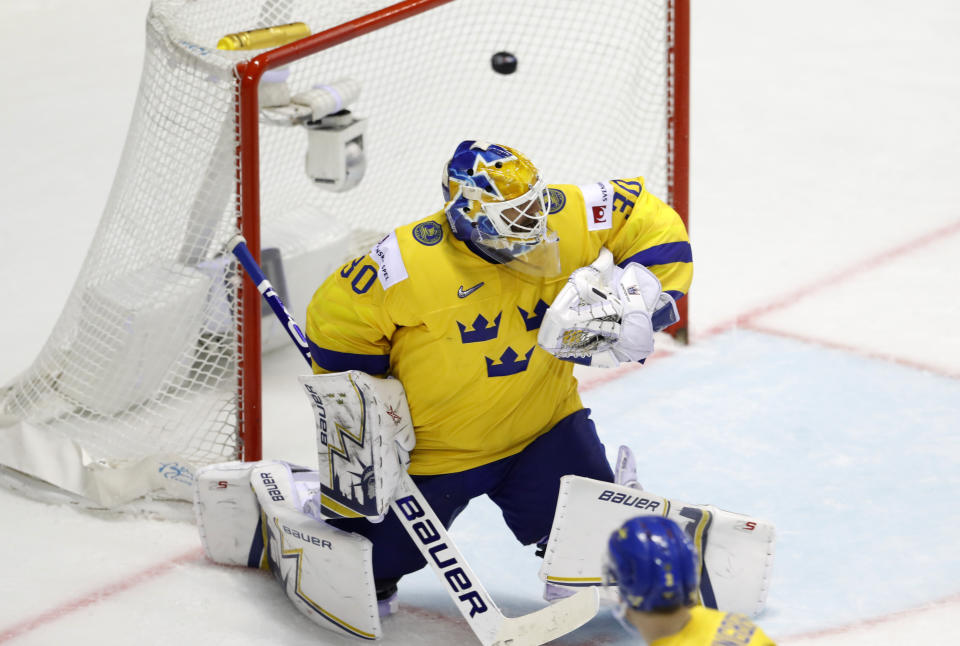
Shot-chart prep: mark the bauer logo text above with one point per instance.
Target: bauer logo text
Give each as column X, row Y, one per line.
column 443, row 556
column 307, row 538
column 619, row 498
column 320, row 414
column 273, row 490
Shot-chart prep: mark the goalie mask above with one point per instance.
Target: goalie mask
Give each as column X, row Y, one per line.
column 653, row 564
column 497, row 202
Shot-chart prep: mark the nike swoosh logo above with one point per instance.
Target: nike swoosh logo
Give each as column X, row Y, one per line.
column 463, row 293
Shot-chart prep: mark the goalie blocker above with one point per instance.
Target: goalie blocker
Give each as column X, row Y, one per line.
column 364, row 439
column 735, row 551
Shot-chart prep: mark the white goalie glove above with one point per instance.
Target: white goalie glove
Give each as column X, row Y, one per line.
column 604, row 315
column 584, row 318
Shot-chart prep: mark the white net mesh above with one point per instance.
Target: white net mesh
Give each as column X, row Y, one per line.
column 139, row 376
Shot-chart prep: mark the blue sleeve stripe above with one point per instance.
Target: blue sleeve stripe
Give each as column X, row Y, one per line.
column 585, row 361
column 676, row 295
column 373, row 364
column 662, row 254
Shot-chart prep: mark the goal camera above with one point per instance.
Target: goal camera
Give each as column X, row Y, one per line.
column 335, row 155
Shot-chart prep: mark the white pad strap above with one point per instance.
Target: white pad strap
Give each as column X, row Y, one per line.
column 325, row 572
column 364, row 439
column 736, row 551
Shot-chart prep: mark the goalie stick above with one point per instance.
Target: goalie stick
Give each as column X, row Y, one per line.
column 476, row 605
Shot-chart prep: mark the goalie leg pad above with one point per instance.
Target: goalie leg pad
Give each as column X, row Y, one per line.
column 326, row 573
column 228, row 514
column 736, row 551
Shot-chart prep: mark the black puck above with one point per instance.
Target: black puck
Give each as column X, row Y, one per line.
column 504, row 63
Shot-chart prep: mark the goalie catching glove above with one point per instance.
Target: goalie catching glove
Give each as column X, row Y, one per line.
column 604, row 314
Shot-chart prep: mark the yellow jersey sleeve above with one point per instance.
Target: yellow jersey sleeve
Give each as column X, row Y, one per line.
column 348, row 326
column 647, row 231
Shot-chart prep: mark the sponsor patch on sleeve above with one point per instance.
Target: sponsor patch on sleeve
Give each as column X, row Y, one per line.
column 386, row 254
column 598, row 200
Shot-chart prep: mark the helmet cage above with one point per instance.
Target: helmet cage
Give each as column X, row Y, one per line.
column 521, row 219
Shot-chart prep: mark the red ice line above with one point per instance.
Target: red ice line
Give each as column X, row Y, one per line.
column 744, row 320
column 836, row 278
column 875, row 621
column 916, row 365
column 99, row 595
column 748, row 319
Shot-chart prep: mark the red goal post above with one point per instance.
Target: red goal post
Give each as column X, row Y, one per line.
column 249, row 74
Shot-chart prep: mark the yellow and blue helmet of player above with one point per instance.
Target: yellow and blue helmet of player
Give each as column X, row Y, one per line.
column 497, row 202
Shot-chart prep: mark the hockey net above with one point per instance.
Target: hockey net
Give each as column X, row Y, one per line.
column 153, row 367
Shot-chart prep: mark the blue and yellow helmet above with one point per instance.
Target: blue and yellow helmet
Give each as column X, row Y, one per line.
column 653, row 564
column 495, row 198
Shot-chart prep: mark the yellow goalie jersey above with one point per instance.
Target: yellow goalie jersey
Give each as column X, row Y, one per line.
column 709, row 627
column 460, row 332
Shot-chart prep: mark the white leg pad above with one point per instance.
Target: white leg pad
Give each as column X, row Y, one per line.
column 325, row 572
column 228, row 514
column 736, row 551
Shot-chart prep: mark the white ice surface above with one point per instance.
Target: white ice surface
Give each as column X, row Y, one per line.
column 822, row 390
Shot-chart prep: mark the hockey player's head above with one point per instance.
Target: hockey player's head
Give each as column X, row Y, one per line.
column 495, row 199
column 653, row 564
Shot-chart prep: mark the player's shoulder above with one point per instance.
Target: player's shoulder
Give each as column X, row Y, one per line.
column 591, row 206
column 572, row 196
column 410, row 249
column 424, row 234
